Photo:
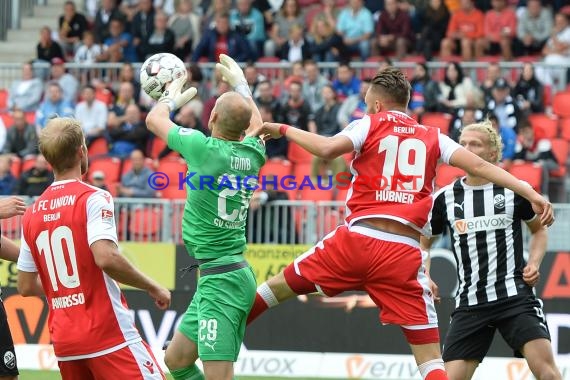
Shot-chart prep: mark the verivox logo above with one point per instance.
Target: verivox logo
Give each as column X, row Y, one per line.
column 482, row 223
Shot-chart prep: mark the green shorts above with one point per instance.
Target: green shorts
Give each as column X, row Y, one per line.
column 217, row 315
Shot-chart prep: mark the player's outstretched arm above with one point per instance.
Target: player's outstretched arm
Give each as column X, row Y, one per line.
column 476, row 166
column 8, row 249
column 233, row 74
column 325, row 147
column 158, row 119
column 109, row 259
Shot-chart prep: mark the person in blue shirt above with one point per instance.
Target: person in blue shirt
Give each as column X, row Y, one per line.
column 509, row 138
column 250, row 23
column 8, row 183
column 53, row 106
column 356, row 24
column 346, row 83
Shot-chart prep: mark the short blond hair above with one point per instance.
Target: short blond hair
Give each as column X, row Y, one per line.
column 59, row 141
column 486, row 127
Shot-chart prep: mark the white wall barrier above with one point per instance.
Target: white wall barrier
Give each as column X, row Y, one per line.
column 321, row 365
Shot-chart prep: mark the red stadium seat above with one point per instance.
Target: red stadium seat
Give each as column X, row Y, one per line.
column 446, row 174
column 437, row 120
column 301, row 170
column 528, row 172
column 341, row 195
column 371, row 72
column 544, row 125
column 3, row 99
column 98, row 147
column 128, row 165
column 156, row 146
column 175, row 169
column 269, row 73
column 30, row 117
column 296, row 154
column 7, row 119
column 16, row 166
column 11, row 227
column 560, row 150
column 104, row 95
column 145, row 224
column 173, row 192
column 28, row 163
column 565, row 129
column 560, row 104
column 111, row 166
column 277, row 168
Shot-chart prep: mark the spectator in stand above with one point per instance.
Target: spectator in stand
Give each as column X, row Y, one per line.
column 265, row 98
column 26, row 93
column 556, row 52
column 128, row 74
column 118, row 47
column 297, row 75
column 296, row 48
column 53, row 106
column 465, row 28
column 107, row 12
column 21, row 138
column 222, row 40
column 493, row 73
column 509, row 139
column 89, row 51
column 275, row 149
column 434, row 20
column 134, row 183
column 290, row 14
column 221, row 88
column 2, row 135
column 424, row 91
column 326, row 124
column 123, row 100
column 533, row 28
column 346, row 83
column 72, row 25
column 330, row 12
column 354, row 107
column 503, row 105
column 187, row 29
column 326, row 44
column 142, row 26
column 313, row 85
column 529, row 92
column 216, row 8
column 456, row 90
column 129, row 136
column 253, row 77
column 36, row 180
column 47, row 49
column 249, row 22
column 394, row 30
column 355, row 25
column 161, row 40
column 98, row 180
column 500, row 27
column 92, row 114
column 538, row 151
column 8, row 183
column 461, row 118
column 69, row 85
column 296, row 111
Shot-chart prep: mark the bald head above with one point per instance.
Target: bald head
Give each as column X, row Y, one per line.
column 231, row 115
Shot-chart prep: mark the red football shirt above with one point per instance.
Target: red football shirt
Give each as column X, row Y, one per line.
column 88, row 315
column 394, row 168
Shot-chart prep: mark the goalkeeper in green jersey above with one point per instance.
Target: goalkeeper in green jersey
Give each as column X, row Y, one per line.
column 213, row 226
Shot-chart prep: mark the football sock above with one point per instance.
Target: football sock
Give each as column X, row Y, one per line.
column 189, row 373
column 264, row 299
column 433, row 370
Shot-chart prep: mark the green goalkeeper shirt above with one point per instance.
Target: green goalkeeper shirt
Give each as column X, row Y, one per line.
column 221, row 178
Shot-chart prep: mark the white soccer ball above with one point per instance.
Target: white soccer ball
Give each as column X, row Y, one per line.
column 158, row 70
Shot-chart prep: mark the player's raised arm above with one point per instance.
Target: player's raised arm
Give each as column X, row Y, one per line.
column 478, row 167
column 158, row 119
column 233, row 74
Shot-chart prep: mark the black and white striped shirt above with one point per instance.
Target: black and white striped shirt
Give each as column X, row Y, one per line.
column 486, row 235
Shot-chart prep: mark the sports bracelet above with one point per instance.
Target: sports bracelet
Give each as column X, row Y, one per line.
column 283, row 129
column 243, row 90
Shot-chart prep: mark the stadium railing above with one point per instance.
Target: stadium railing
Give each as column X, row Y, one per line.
column 109, row 72
column 277, row 222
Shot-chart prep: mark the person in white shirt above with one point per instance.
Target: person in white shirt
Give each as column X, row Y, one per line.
column 556, row 52
column 89, row 50
column 92, row 114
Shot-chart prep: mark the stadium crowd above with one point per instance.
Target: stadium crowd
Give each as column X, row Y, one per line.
column 303, row 33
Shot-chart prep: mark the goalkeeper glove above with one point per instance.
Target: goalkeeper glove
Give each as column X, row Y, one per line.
column 233, row 74
column 173, row 96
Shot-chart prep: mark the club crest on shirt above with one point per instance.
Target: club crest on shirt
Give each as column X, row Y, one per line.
column 499, row 201
column 9, row 359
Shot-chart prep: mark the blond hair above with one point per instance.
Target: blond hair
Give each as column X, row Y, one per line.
column 494, row 140
column 59, row 141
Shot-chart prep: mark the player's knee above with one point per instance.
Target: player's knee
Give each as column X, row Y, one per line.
column 218, row 370
column 548, row 372
column 174, row 360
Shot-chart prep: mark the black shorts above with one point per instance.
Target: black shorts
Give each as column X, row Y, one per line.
column 8, row 365
column 519, row 319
